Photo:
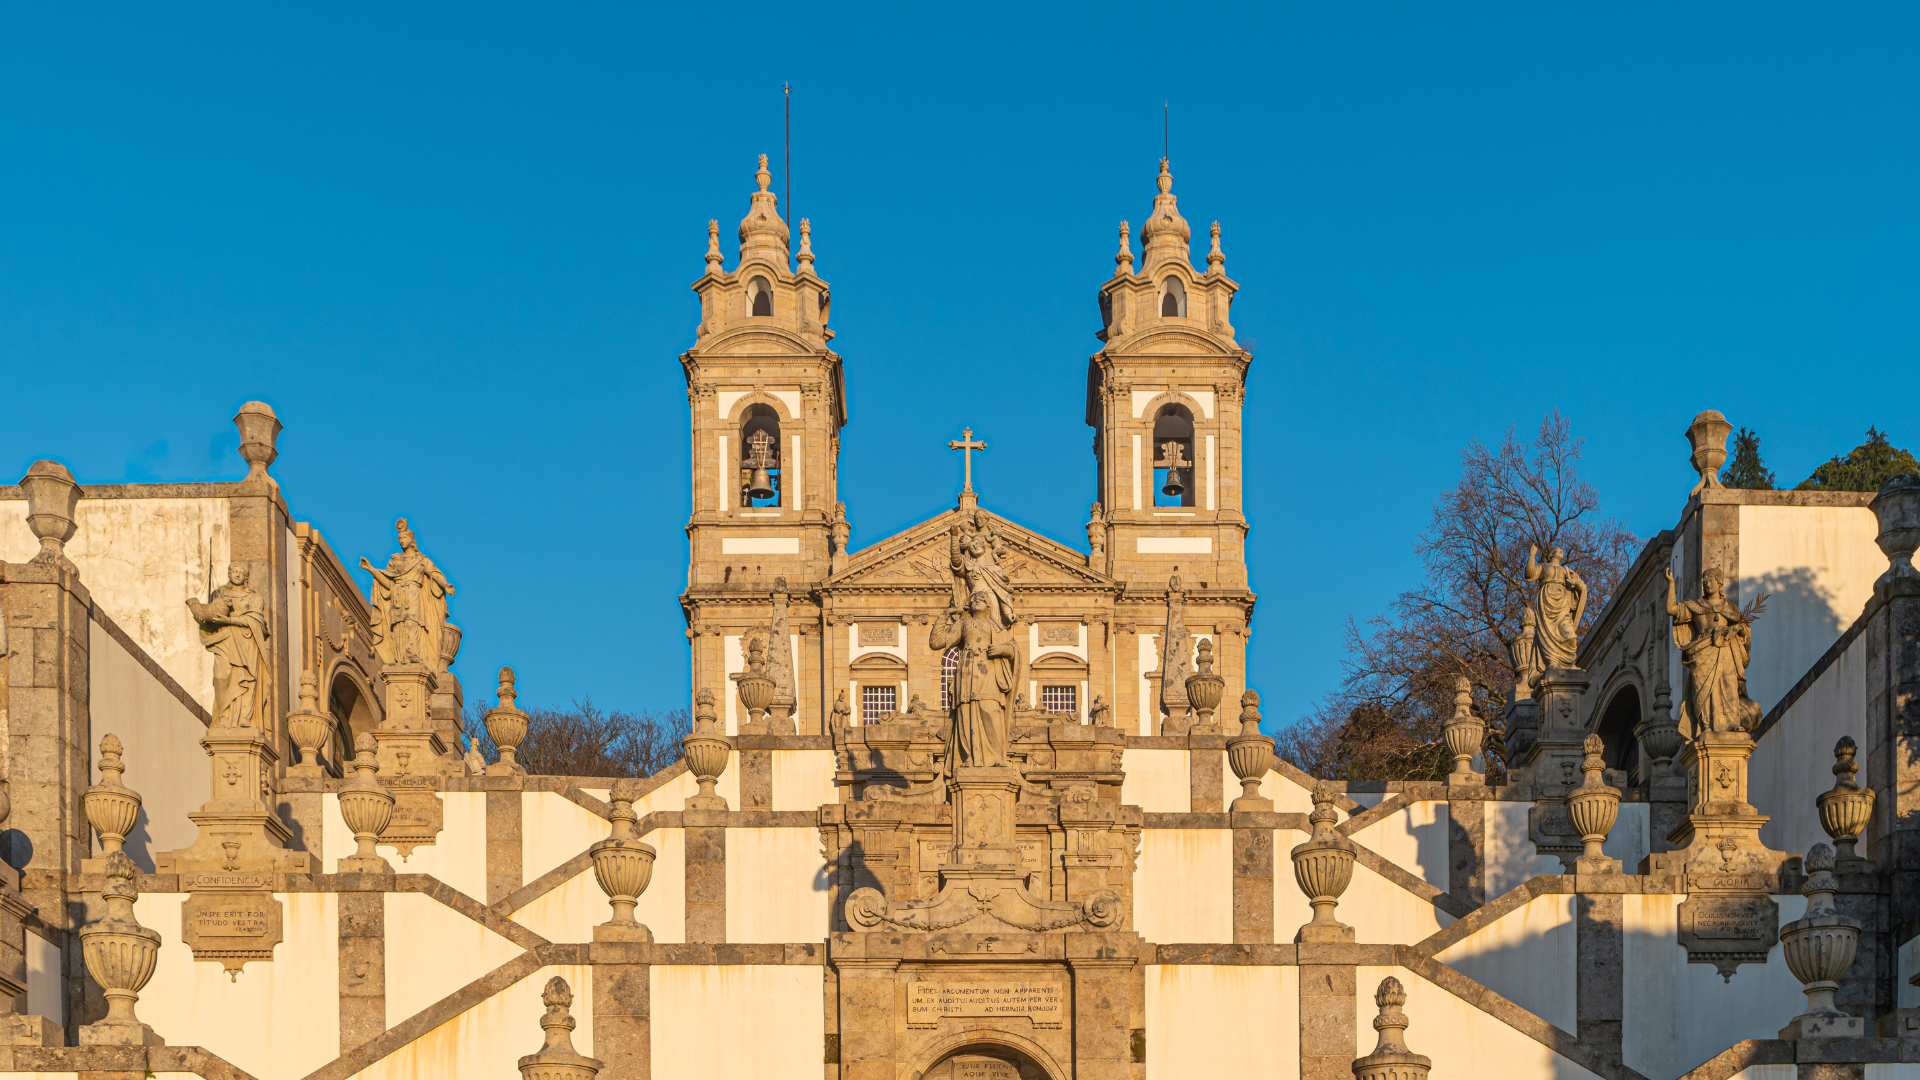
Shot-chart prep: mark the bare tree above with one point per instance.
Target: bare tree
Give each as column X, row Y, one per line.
column 588, row 741
column 1384, row 722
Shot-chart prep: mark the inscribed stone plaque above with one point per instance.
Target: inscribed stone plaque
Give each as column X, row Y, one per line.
column 1040, row 1000
column 934, row 854
column 978, row 1068
column 231, row 927
column 879, row 634
column 418, row 817
column 1728, row 930
column 1060, row 635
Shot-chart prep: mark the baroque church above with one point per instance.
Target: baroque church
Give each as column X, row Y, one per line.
column 970, row 803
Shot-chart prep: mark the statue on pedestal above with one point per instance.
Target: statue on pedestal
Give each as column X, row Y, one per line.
column 976, row 547
column 977, row 733
column 1716, row 642
column 409, row 605
column 233, row 627
column 1557, row 607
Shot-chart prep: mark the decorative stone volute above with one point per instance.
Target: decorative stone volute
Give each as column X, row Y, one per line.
column 1204, row 687
column 623, row 865
column 112, row 807
column 1707, row 435
column 1391, row 1060
column 1323, row 867
column 1250, row 753
column 706, row 752
column 1464, row 733
column 557, row 1059
column 52, row 499
column 507, row 727
column 1819, row 949
column 1592, row 808
column 259, row 432
column 367, row 807
column 120, row 955
column 1847, row 808
column 308, row 727
column 1897, row 508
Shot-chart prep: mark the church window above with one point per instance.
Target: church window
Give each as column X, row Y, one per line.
column 1060, row 699
column 949, row 667
column 760, row 457
column 762, row 295
column 1173, row 298
column 1174, row 476
column 877, row 703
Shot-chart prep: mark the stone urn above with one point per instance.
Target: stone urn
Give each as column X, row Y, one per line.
column 1465, row 732
column 1323, row 867
column 557, row 1059
column 120, row 955
column 1593, row 807
column 1391, row 1060
column 706, row 752
column 1660, row 738
column 1848, row 807
column 52, row 499
column 1897, row 509
column 449, row 644
column 1707, row 436
column 1250, row 753
column 756, row 689
column 1819, row 949
column 1203, row 686
column 366, row 805
column 259, row 432
column 507, row 727
column 112, row 807
column 621, row 864
column 307, row 726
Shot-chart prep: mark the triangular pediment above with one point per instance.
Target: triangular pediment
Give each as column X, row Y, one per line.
column 919, row 556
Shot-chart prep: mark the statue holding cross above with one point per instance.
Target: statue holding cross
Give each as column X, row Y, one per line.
column 966, row 444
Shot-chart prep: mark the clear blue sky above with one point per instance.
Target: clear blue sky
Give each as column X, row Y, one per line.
column 452, row 247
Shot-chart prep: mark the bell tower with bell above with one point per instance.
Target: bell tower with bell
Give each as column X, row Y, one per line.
column 767, row 399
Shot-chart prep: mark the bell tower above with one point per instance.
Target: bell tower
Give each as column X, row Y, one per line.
column 1164, row 398
column 767, row 399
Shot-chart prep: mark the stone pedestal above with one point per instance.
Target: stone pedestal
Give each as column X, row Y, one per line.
column 983, row 843
column 1552, row 761
column 408, row 726
column 238, row 833
column 1717, row 809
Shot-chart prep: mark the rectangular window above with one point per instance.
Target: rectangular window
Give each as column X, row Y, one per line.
column 876, row 703
column 1060, row 699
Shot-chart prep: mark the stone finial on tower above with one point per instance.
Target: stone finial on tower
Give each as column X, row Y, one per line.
column 52, row 498
column 1391, row 1060
column 1165, row 235
column 714, row 258
column 762, row 232
column 1216, row 259
column 1707, row 436
column 557, row 1059
column 1123, row 259
column 805, row 256
column 259, row 433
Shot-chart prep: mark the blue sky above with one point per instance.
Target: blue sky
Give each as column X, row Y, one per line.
column 452, row 247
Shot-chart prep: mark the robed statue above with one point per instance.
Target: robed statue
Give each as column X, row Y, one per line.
column 976, row 550
column 1715, row 642
column 233, row 627
column 409, row 605
column 1557, row 607
column 977, row 728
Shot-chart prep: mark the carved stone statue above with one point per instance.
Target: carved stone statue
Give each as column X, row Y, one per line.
column 1557, row 607
column 977, row 733
column 475, row 762
column 233, row 627
column 976, row 548
column 1176, row 658
column 1716, row 642
column 409, row 604
column 1526, row 657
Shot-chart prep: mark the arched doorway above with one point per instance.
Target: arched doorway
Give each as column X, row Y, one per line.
column 1616, row 730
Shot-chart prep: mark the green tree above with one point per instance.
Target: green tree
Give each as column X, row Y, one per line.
column 1865, row 467
column 1745, row 469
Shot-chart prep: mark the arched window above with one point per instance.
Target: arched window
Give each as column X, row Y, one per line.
column 1616, row 730
column 761, row 294
column 1173, row 298
column 1173, row 462
column 760, row 457
column 949, row 667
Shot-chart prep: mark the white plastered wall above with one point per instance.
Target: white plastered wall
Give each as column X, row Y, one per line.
column 458, row 855
column 1464, row 1042
column 432, row 951
column 486, row 1041
column 1210, row 1021
column 1413, row 838
column 1183, row 889
column 553, row 829
column 1817, row 565
column 1381, row 911
column 279, row 1018
column 803, row 779
column 698, row 1009
column 1157, row 781
column 161, row 741
column 1511, row 856
column 1679, row 1014
column 569, row 912
column 776, row 886
column 1529, row 956
column 1793, row 761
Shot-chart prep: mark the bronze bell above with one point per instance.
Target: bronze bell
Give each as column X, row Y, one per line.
column 1173, row 486
column 761, row 486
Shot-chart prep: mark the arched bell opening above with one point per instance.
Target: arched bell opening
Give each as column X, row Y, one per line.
column 760, row 457
column 1616, row 730
column 1173, row 468
column 1173, row 299
column 760, row 295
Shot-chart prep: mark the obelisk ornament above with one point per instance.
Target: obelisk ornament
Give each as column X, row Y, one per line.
column 112, row 807
column 706, row 752
column 1592, row 808
column 1250, row 754
column 366, row 806
column 507, row 726
column 557, row 1059
column 1464, row 733
column 1819, row 949
column 1391, row 1060
column 622, row 864
column 1204, row 687
column 1323, row 867
column 307, row 726
column 1845, row 810
column 120, row 955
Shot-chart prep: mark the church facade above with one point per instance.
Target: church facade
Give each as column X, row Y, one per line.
column 970, row 802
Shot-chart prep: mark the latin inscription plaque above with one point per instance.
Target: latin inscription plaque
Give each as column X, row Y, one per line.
column 1728, row 930
column 880, row 634
column 418, row 817
column 984, row 1069
column 231, row 927
column 1042, row 1001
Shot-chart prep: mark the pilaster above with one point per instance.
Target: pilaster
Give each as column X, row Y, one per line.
column 706, row 875
column 1467, row 847
column 1327, row 1032
column 363, row 963
column 1206, row 758
column 623, row 1010
column 504, row 839
column 1252, row 880
column 1600, row 988
column 1102, row 1002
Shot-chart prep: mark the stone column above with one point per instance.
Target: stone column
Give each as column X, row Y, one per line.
column 706, row 874
column 1206, row 756
column 623, row 1009
column 754, row 757
column 1893, row 708
column 363, row 961
column 1102, row 1004
column 1467, row 843
column 47, row 763
column 1327, row 1038
column 1252, row 879
column 1599, row 988
column 504, row 840
column 866, row 1021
